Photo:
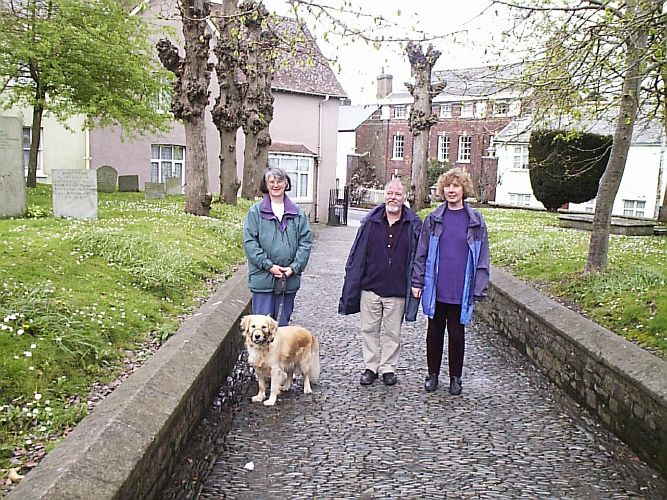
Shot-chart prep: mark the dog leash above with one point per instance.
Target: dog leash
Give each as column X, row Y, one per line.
column 281, row 304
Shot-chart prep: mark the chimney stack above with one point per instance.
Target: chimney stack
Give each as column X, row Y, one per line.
column 384, row 85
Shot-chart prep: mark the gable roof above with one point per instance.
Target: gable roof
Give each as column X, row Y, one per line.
column 350, row 117
column 645, row 132
column 482, row 81
column 300, row 65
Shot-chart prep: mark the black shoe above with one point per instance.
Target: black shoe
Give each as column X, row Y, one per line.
column 431, row 383
column 368, row 377
column 389, row 378
column 455, row 386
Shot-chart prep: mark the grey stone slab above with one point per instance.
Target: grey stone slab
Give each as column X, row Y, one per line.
column 74, row 193
column 154, row 190
column 13, row 200
column 128, row 183
column 173, row 186
column 107, row 178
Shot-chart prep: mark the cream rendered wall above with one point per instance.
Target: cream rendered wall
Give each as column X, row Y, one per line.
column 346, row 146
column 61, row 148
column 639, row 181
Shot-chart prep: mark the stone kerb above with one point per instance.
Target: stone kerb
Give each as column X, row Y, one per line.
column 624, row 385
column 107, row 178
column 128, row 446
column 74, row 193
column 12, row 176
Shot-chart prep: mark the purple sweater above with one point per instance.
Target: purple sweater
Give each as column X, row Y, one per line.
column 453, row 257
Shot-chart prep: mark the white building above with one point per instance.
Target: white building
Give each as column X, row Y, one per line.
column 642, row 186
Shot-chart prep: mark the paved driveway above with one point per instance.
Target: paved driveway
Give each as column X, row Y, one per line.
column 511, row 434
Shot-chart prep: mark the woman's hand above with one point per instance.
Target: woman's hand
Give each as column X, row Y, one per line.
column 277, row 270
column 416, row 292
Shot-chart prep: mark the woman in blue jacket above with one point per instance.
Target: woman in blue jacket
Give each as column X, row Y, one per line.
column 277, row 242
column 450, row 272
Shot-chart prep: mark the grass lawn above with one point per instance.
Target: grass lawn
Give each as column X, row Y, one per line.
column 81, row 299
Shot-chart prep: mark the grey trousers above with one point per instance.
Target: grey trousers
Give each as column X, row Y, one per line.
column 381, row 352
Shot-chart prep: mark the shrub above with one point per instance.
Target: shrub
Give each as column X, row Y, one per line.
column 566, row 166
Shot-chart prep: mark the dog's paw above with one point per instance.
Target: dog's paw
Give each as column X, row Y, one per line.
column 307, row 390
column 258, row 399
column 270, row 402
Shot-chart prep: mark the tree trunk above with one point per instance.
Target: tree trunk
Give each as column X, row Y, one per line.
column 598, row 247
column 197, row 197
column 250, row 186
column 36, row 130
column 191, row 96
column 228, row 110
column 421, row 117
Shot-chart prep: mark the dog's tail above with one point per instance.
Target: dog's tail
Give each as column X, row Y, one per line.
column 314, row 373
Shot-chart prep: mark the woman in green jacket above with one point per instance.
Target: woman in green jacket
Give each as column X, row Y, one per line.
column 277, row 242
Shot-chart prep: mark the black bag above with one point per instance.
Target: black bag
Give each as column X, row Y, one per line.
column 280, row 285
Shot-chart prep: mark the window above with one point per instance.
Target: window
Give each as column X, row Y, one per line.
column 300, row 171
column 634, row 208
column 501, row 108
column 27, row 142
column 492, row 146
column 467, row 109
column 167, row 161
column 400, row 111
column 465, row 148
column 399, row 145
column 446, row 110
column 443, row 148
column 520, row 157
column 520, row 199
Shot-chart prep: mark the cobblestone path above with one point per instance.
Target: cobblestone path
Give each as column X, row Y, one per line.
column 512, row 434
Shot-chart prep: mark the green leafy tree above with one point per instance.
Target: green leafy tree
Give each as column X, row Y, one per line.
column 566, row 168
column 594, row 59
column 69, row 57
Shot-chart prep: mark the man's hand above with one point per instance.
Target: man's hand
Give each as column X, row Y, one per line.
column 416, row 292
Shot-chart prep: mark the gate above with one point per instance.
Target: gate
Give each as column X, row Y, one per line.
column 339, row 201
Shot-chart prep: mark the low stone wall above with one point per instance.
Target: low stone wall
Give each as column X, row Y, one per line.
column 624, row 385
column 128, row 446
column 618, row 225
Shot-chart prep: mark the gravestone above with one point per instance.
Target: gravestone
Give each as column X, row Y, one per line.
column 107, row 176
column 174, row 186
column 128, row 183
column 13, row 200
column 154, row 190
column 74, row 193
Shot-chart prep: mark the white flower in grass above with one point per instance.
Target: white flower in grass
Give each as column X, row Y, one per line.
column 20, row 331
column 31, row 368
column 38, row 396
column 27, row 354
column 33, row 346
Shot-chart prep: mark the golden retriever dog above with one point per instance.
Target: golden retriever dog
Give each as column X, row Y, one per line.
column 279, row 353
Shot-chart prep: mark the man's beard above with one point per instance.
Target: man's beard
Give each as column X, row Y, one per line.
column 393, row 208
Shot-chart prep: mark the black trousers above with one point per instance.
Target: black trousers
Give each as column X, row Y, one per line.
column 446, row 316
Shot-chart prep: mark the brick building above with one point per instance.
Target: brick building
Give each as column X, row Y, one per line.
column 474, row 106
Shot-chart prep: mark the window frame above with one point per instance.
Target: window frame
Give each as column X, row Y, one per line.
column 159, row 161
column 631, row 208
column 444, row 147
column 25, row 151
column 278, row 159
column 467, row 109
column 398, row 147
column 445, row 110
column 520, row 159
column 524, row 196
column 400, row 111
column 464, row 153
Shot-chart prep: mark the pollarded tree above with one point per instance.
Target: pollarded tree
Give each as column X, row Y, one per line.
column 69, row 57
column 595, row 58
column 421, row 115
column 191, row 96
column 566, row 167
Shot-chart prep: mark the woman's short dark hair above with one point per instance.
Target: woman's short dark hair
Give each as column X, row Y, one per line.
column 276, row 173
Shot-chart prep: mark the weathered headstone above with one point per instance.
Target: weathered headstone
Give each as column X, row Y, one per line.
column 154, row 190
column 74, row 193
column 13, row 199
column 107, row 176
column 174, row 186
column 128, row 183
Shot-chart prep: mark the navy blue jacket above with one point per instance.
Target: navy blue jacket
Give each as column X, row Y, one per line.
column 350, row 300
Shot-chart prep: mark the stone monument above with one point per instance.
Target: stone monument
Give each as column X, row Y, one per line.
column 174, row 186
column 13, row 200
column 107, row 176
column 74, row 193
column 154, row 190
column 128, row 183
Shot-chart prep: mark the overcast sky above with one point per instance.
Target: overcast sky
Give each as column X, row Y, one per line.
column 468, row 28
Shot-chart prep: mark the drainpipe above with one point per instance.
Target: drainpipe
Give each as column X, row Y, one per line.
column 661, row 173
column 86, row 159
column 319, row 154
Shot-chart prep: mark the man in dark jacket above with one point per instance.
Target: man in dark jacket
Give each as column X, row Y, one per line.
column 377, row 281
